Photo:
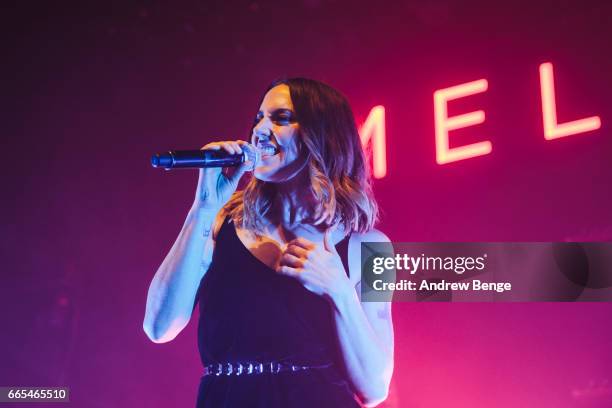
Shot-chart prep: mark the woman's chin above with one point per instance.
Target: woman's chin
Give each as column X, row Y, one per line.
column 272, row 171
column 272, row 175
column 268, row 169
column 267, row 173
column 262, row 175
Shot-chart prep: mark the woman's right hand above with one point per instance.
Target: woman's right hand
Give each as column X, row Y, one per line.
column 214, row 187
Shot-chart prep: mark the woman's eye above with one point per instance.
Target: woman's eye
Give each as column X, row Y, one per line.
column 283, row 118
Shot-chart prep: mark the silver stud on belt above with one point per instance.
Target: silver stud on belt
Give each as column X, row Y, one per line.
column 229, row 369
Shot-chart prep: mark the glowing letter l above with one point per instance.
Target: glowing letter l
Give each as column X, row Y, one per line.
column 552, row 129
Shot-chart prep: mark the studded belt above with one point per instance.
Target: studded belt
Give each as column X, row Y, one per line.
column 255, row 368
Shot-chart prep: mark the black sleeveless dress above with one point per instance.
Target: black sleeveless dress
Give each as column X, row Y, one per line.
column 250, row 313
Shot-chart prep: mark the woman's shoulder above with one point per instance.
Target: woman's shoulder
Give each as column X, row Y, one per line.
column 373, row 235
column 354, row 250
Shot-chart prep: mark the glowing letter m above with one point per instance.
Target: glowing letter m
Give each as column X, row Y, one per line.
column 373, row 131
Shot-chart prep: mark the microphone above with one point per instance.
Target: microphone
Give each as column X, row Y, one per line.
column 195, row 159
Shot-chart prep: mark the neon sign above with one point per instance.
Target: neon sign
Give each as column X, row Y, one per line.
column 552, row 129
column 373, row 129
column 443, row 124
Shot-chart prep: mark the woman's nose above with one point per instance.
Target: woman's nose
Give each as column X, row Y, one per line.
column 262, row 131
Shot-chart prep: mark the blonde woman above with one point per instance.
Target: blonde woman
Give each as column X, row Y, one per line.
column 275, row 267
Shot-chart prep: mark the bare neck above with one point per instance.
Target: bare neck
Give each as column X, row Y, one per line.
column 294, row 203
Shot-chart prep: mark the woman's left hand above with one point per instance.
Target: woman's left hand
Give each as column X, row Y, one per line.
column 318, row 267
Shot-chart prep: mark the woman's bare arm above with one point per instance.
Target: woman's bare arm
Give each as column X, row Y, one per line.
column 365, row 333
column 173, row 289
column 365, row 330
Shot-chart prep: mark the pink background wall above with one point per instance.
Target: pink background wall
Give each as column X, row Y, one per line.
column 90, row 92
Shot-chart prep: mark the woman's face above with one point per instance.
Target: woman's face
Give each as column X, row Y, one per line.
column 276, row 135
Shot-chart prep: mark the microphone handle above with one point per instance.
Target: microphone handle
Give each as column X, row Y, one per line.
column 185, row 159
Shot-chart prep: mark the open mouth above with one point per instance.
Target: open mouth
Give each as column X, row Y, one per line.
column 268, row 150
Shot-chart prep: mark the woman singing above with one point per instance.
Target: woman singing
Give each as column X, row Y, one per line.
column 275, row 267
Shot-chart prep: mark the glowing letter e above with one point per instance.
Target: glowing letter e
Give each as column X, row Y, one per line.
column 444, row 124
column 553, row 130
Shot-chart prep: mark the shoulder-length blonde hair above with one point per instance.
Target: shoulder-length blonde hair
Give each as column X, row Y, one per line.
column 339, row 174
